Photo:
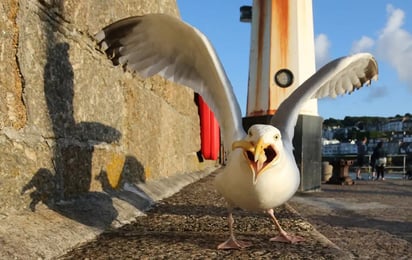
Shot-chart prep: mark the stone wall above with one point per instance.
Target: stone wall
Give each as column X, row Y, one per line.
column 71, row 122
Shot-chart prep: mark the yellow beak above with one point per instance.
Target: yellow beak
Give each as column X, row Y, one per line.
column 255, row 155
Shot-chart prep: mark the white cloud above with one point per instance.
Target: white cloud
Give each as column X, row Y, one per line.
column 365, row 44
column 322, row 46
column 377, row 93
column 394, row 44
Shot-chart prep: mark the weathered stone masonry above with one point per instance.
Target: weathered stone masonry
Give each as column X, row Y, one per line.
column 71, row 122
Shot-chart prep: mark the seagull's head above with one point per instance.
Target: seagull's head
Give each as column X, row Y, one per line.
column 261, row 148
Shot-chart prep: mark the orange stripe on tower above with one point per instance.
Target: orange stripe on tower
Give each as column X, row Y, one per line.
column 280, row 28
column 282, row 10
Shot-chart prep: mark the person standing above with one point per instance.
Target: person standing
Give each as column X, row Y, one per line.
column 380, row 164
column 372, row 164
column 362, row 151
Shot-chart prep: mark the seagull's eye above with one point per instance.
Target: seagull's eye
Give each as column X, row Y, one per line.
column 276, row 137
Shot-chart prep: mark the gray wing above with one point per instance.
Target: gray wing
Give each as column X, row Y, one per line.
column 338, row 77
column 164, row 45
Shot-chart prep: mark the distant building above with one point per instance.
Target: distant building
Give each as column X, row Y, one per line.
column 398, row 141
column 334, row 147
column 395, row 125
column 407, row 125
column 328, row 133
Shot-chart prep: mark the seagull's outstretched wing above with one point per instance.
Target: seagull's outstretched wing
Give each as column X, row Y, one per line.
column 338, row 77
column 164, row 45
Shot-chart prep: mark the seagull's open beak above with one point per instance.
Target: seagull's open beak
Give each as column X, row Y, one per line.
column 259, row 156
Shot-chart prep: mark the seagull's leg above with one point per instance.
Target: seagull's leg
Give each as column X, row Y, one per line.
column 232, row 242
column 283, row 236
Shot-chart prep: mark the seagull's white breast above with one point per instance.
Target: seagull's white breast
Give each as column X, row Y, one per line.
column 274, row 186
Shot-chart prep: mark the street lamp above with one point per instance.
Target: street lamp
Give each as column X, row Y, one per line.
column 246, row 14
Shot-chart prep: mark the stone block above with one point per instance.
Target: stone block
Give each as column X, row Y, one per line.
column 71, row 122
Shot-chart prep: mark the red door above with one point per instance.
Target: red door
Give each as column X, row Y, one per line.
column 209, row 131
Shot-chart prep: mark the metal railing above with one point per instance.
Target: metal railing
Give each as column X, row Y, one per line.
column 395, row 162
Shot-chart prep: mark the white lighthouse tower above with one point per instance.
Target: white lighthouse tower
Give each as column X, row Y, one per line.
column 282, row 56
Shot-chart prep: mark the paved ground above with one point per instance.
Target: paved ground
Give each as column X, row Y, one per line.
column 369, row 220
column 55, row 228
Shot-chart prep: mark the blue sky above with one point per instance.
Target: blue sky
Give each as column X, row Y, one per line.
column 342, row 27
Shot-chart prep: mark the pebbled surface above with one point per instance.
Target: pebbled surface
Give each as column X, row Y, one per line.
column 191, row 223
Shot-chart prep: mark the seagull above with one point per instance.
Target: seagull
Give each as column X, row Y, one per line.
column 261, row 173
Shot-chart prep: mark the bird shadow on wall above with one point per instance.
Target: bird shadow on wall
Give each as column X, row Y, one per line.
column 125, row 188
column 65, row 188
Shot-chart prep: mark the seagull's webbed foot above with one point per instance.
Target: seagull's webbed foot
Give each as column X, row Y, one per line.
column 286, row 238
column 283, row 236
column 232, row 242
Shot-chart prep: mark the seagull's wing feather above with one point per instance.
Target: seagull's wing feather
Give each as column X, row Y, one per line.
column 340, row 76
column 164, row 45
